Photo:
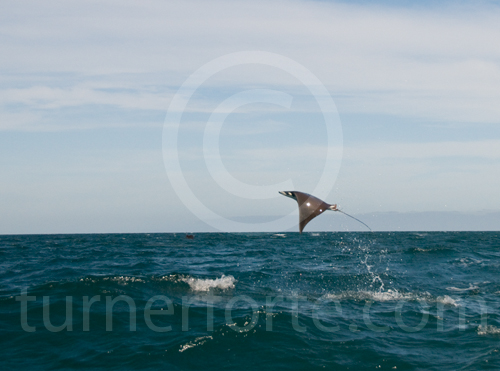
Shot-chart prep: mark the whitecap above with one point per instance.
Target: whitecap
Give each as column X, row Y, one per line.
column 470, row 261
column 199, row 284
column 471, row 287
column 488, row 330
column 420, row 249
column 446, row 300
column 391, row 295
column 123, row 280
column 198, row 341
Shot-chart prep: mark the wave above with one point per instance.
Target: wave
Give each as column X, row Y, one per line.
column 278, row 235
column 174, row 283
column 471, row 287
column 488, row 330
column 392, row 295
column 200, row 284
column 438, row 249
column 468, row 261
column 196, row 284
column 196, row 342
column 123, row 280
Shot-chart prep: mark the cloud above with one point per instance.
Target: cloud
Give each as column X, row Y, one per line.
column 44, row 97
column 487, row 149
column 435, row 63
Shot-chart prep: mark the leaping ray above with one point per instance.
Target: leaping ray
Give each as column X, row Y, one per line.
column 310, row 207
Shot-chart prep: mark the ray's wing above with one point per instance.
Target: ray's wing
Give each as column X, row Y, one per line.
column 309, row 208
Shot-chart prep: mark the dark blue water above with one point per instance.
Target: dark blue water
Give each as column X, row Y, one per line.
column 338, row 301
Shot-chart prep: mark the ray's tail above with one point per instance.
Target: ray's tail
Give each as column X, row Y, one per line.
column 350, row 216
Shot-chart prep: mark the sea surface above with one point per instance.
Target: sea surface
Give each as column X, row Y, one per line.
column 258, row 301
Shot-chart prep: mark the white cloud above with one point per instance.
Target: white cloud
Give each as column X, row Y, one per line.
column 487, row 149
column 43, row 97
column 439, row 64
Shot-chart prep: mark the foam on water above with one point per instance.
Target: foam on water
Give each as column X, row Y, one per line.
column 445, row 299
column 196, row 342
column 488, row 330
column 124, row 280
column 471, row 287
column 199, row 284
column 280, row 235
column 391, row 295
column 469, row 261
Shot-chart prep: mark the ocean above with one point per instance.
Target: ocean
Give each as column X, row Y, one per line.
column 253, row 301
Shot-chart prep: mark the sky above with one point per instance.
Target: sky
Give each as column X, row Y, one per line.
column 190, row 116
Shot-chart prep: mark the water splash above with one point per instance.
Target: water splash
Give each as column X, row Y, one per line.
column 199, row 284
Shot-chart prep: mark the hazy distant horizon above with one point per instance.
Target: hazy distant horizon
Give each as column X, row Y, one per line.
column 485, row 221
